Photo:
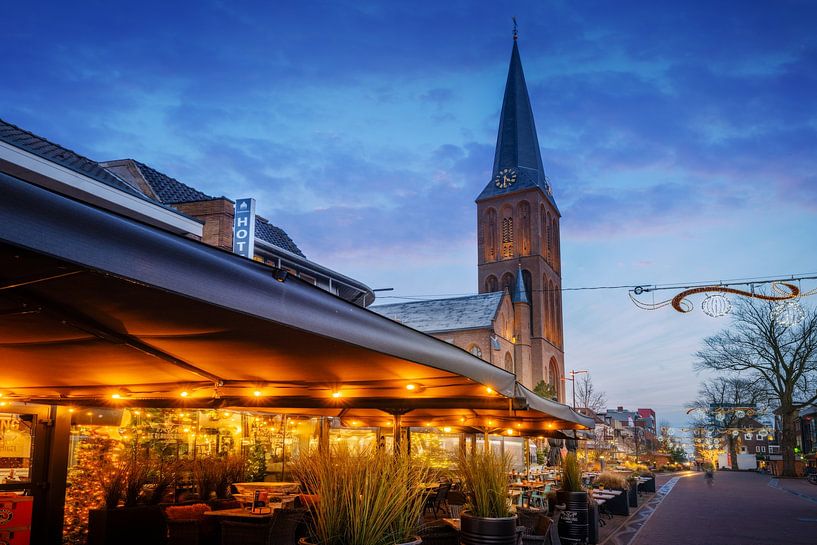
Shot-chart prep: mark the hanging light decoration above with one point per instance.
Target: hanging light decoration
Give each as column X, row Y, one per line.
column 740, row 413
column 788, row 313
column 716, row 305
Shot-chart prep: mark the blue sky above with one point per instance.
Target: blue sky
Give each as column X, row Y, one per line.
column 679, row 138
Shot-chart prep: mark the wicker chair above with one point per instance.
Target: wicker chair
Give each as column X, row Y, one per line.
column 544, row 530
column 439, row 534
column 285, row 526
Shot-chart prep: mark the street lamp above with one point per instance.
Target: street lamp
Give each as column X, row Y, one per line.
column 572, row 378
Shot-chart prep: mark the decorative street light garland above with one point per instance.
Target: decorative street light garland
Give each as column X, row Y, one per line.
column 787, row 310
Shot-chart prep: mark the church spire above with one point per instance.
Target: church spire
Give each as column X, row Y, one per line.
column 520, row 291
column 517, row 160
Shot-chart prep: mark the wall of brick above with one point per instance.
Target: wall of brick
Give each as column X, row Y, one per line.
column 217, row 215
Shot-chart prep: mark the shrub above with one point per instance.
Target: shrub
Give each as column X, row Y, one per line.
column 571, row 474
column 609, row 479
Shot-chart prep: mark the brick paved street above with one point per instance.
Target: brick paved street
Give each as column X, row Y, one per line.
column 739, row 509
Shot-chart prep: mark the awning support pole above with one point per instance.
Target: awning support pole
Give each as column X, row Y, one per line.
column 396, row 431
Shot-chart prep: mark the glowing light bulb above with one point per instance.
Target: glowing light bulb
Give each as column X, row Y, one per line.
column 184, row 393
column 411, row 387
column 257, row 393
column 336, row 394
column 489, row 389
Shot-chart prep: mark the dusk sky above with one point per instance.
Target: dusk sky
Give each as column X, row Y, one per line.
column 680, row 139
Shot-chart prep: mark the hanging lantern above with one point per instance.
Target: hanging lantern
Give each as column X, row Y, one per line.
column 720, row 417
column 716, row 305
column 788, row 313
column 740, row 413
column 735, row 433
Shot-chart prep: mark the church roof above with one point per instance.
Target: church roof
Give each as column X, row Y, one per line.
column 517, row 146
column 520, row 292
column 435, row 315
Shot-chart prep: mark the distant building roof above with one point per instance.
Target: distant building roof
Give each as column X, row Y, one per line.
column 275, row 235
column 470, row 312
column 170, row 190
column 39, row 146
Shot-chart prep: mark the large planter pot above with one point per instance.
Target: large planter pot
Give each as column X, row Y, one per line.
column 632, row 493
column 573, row 522
column 487, row 531
column 648, row 485
column 127, row 526
column 619, row 505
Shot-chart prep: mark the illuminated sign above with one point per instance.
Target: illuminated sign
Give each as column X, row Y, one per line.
column 244, row 228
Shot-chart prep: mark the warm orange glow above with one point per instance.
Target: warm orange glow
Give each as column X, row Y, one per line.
column 336, row 394
column 116, row 396
column 71, row 409
column 447, row 429
column 137, row 413
column 89, row 413
column 355, row 423
column 490, row 422
column 489, row 389
column 427, row 424
column 411, row 387
column 518, row 424
column 184, row 393
column 257, row 393
column 509, row 431
column 550, row 425
column 3, row 403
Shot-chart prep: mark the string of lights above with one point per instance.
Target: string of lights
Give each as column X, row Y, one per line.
column 639, row 288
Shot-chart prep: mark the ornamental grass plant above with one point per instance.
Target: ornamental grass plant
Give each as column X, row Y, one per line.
column 366, row 497
column 571, row 474
column 484, row 477
column 610, row 479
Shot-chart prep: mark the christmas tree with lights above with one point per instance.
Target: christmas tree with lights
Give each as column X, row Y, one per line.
column 84, row 491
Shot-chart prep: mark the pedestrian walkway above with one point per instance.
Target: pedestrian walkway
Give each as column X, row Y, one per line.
column 739, row 509
column 799, row 487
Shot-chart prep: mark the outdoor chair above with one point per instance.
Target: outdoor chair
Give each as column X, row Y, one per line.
column 436, row 500
column 545, row 530
column 526, row 517
column 285, row 525
column 455, row 500
column 439, row 534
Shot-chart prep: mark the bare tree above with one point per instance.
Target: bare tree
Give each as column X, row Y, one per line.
column 587, row 396
column 725, row 392
column 783, row 358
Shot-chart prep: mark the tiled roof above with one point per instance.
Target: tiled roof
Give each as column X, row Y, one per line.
column 471, row 312
column 275, row 235
column 25, row 140
column 170, row 190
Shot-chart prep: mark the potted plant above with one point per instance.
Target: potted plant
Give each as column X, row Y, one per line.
column 649, row 484
column 131, row 522
column 362, row 498
column 619, row 505
column 632, row 489
column 487, row 518
column 573, row 522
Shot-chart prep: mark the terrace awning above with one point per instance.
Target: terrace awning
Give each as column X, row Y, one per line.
column 96, row 307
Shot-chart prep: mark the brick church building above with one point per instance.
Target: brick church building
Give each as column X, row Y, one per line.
column 515, row 321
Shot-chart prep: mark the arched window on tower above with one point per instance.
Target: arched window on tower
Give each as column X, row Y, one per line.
column 549, row 229
column 489, row 234
column 526, row 276
column 545, row 308
column 523, row 212
column 552, row 305
column 491, row 284
column 507, row 232
column 507, row 282
column 558, row 297
column 553, row 377
column 554, row 261
column 508, row 362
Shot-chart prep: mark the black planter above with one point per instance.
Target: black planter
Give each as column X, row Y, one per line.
column 648, row 485
column 632, row 493
column 573, row 527
column 619, row 505
column 127, row 526
column 487, row 531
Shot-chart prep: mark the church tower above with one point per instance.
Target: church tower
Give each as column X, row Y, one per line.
column 518, row 233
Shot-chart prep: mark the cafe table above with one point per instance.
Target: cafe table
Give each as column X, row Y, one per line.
column 240, row 514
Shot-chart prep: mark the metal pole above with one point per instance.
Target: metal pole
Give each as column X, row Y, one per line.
column 396, row 433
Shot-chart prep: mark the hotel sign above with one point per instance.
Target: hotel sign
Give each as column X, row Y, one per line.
column 244, row 228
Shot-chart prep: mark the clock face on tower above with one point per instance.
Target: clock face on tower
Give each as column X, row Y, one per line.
column 506, row 177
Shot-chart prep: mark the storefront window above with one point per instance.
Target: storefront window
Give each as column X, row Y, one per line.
column 16, row 434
